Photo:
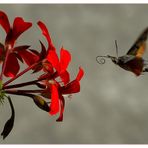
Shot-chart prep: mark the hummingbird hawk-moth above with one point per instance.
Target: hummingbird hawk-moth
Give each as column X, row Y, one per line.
column 133, row 60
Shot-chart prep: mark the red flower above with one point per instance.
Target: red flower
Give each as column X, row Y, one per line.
column 54, row 83
column 52, row 60
column 44, row 64
column 57, row 92
column 13, row 54
column 73, row 86
column 60, row 64
column 54, row 90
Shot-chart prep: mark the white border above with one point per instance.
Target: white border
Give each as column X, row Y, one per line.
column 74, row 1
column 76, row 145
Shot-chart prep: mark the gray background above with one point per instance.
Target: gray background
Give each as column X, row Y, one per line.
column 112, row 107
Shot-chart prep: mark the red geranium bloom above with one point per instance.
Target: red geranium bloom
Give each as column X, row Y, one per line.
column 44, row 64
column 21, row 52
column 60, row 64
column 51, row 57
column 54, row 90
column 54, row 83
column 57, row 92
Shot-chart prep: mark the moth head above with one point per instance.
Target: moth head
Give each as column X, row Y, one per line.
column 114, row 59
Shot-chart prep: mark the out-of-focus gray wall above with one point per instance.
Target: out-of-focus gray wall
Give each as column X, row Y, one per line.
column 112, row 106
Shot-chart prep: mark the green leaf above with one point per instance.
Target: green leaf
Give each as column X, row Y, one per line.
column 9, row 124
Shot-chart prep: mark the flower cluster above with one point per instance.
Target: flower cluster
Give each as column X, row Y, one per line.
column 53, row 83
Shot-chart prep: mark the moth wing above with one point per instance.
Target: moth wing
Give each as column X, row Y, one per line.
column 126, row 58
column 139, row 46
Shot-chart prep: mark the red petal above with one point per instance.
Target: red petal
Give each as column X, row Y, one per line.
column 2, row 53
column 46, row 34
column 29, row 57
column 62, row 104
column 18, row 57
column 43, row 52
column 18, row 48
column 44, row 31
column 24, row 47
column 4, row 22
column 80, row 74
column 12, row 66
column 54, row 106
column 19, row 26
column 65, row 77
column 65, row 58
column 52, row 57
column 72, row 87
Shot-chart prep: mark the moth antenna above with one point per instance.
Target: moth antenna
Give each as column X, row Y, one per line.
column 116, row 48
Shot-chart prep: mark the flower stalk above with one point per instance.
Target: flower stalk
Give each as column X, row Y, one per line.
column 15, row 92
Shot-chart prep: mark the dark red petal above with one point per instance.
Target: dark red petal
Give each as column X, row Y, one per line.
column 54, row 106
column 46, row 34
column 12, row 66
column 1, row 46
column 19, row 57
column 65, row 77
column 29, row 57
column 52, row 57
column 17, row 49
column 2, row 53
column 44, row 31
column 80, row 74
column 43, row 53
column 10, row 40
column 4, row 22
column 72, row 87
column 24, row 47
column 65, row 58
column 19, row 26
column 35, row 52
column 62, row 104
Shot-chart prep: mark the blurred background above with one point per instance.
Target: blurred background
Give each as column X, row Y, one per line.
column 112, row 107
